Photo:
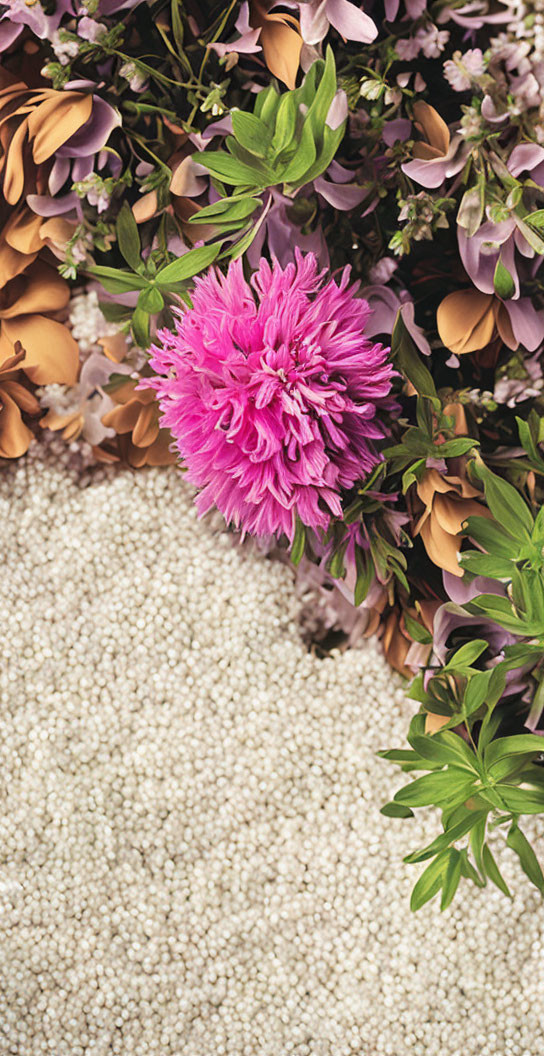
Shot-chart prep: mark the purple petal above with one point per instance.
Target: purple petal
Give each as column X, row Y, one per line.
column 340, row 196
column 527, row 323
column 350, row 21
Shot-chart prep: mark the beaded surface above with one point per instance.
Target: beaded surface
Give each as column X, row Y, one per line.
column 192, row 856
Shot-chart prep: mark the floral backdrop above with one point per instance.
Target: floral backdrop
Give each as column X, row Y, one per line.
column 309, row 238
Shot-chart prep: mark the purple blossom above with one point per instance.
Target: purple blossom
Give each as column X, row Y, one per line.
column 463, row 69
column 317, row 16
column 273, row 394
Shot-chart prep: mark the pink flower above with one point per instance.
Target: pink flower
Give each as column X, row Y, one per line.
column 271, row 391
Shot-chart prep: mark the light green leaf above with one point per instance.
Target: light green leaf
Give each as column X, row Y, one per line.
column 188, row 265
column 503, row 283
column 251, row 132
column 429, row 883
column 151, row 300
column 115, row 281
column 492, row 870
column 519, row 843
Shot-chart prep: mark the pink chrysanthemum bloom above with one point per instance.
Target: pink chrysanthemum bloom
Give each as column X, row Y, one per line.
column 271, row 392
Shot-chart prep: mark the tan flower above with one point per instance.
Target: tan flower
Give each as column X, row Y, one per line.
column 140, row 441
column 34, row 124
column 468, row 320
column 28, row 306
column 435, row 132
column 280, row 40
column 15, row 399
column 448, row 501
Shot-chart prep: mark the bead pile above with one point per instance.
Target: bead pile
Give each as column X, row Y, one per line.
column 193, row 861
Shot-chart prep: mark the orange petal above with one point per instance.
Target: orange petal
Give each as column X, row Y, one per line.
column 451, row 512
column 57, row 119
column 504, row 326
column 52, row 355
column 15, row 436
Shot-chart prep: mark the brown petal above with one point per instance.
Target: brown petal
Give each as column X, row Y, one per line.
column 22, row 232
column 45, row 291
column 15, row 436
column 145, row 208
column 434, row 128
column 457, row 412
column 115, row 347
column 433, row 722
column 441, row 547
column 425, row 152
column 431, row 482
column 14, row 175
column 281, row 44
column 466, row 321
column 146, row 430
column 159, row 454
column 395, row 645
column 25, row 400
column 504, row 326
column 52, row 355
column 123, row 418
column 451, row 512
column 55, row 121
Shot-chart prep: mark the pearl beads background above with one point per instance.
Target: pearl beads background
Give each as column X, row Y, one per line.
column 193, row 862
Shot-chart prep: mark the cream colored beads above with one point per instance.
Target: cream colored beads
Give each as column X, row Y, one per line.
column 193, row 862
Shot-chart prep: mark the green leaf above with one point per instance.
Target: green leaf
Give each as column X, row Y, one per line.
column 528, row 441
column 286, row 120
column 226, row 210
column 519, row 744
column 140, row 327
column 405, row 354
column 429, row 883
column 455, row 832
column 304, row 158
column 188, row 265
column 266, row 104
column 492, row 870
column 466, row 655
column 435, row 789
column 522, row 800
column 417, row 631
column 505, row 503
column 151, row 300
column 492, row 536
column 251, row 132
column 536, row 219
column 396, row 810
column 446, row 748
column 299, row 542
column 451, row 879
column 503, row 282
column 115, row 281
column 365, row 576
column 468, row 870
column 229, row 170
column 471, row 209
column 500, row 568
column 519, row 843
column 128, row 237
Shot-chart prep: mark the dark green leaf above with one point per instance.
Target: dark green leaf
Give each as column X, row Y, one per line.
column 140, row 327
column 396, row 810
column 407, row 358
column 503, row 282
column 115, row 281
column 505, row 503
column 299, row 542
column 472, row 817
column 227, row 210
column 128, row 237
column 436, row 788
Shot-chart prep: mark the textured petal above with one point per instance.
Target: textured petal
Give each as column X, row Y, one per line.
column 15, row 436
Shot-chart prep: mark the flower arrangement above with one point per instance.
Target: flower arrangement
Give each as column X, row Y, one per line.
column 312, row 234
